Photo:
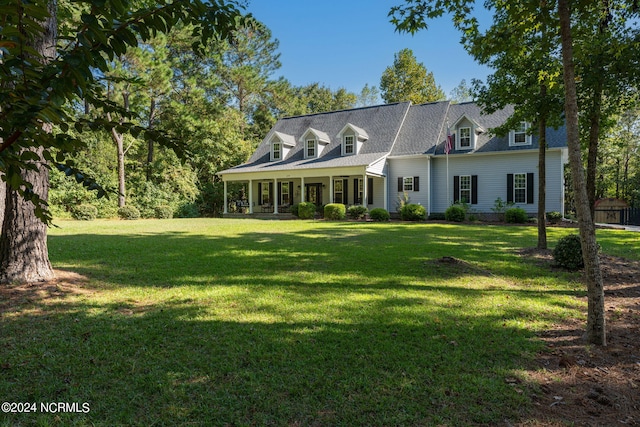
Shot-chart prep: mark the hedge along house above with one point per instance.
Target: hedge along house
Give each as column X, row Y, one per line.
column 374, row 156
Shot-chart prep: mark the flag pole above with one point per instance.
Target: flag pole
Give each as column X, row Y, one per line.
column 447, row 148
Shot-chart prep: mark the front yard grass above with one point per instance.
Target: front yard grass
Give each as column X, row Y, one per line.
column 246, row 322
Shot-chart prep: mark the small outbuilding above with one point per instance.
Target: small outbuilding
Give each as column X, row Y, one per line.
column 608, row 211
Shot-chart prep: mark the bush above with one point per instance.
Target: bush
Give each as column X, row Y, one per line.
column 437, row 216
column 413, row 212
column 357, row 211
column 516, row 216
column 568, row 252
column 455, row 213
column 334, row 211
column 163, row 212
column 554, row 217
column 306, row 210
column 129, row 212
column 188, row 210
column 294, row 210
column 84, row 212
column 379, row 214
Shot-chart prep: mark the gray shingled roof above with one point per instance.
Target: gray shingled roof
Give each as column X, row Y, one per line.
column 399, row 129
column 381, row 123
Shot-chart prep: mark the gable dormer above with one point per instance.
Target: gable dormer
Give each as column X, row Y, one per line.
column 280, row 144
column 314, row 141
column 352, row 138
column 520, row 135
column 466, row 133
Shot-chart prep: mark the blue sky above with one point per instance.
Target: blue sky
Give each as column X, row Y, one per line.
column 348, row 43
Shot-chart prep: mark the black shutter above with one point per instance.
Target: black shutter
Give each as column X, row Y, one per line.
column 400, row 184
column 356, row 200
column 279, row 193
column 271, row 193
column 509, row 188
column 259, row 193
column 530, row 188
column 456, row 188
column 474, row 189
column 345, row 192
column 370, row 191
column 416, row 183
column 290, row 192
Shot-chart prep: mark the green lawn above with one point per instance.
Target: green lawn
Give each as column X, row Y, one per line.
column 243, row 322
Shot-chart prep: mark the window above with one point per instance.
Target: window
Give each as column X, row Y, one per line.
column 465, row 137
column 408, row 183
column 359, row 192
column 519, row 135
column 338, row 191
column 265, row 198
column 465, row 189
column 276, row 151
column 520, row 188
column 284, row 193
column 348, row 144
column 311, row 147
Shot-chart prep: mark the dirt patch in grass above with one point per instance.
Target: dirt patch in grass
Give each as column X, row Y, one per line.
column 585, row 385
column 65, row 283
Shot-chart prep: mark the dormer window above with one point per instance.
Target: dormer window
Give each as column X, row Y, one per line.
column 519, row 136
column 349, row 144
column 310, row 148
column 281, row 144
column 314, row 142
column 276, row 154
column 352, row 138
column 465, row 138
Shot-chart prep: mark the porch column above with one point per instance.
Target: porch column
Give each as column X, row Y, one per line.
column 331, row 189
column 275, row 196
column 224, row 210
column 386, row 193
column 302, row 190
column 365, row 199
column 250, row 196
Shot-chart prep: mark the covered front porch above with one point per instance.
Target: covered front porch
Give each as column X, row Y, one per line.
column 259, row 195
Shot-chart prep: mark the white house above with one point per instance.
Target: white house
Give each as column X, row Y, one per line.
column 373, row 155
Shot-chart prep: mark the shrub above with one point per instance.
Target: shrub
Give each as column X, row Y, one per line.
column 455, row 213
column 188, row 210
column 334, row 211
column 554, row 217
column 294, row 210
column 306, row 210
column 379, row 214
column 128, row 212
column 357, row 211
column 163, row 212
column 84, row 212
column 568, row 252
column 413, row 212
column 437, row 216
column 515, row 216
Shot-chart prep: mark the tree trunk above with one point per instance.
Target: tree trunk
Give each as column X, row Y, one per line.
column 594, row 137
column 24, row 256
column 3, row 200
column 542, row 176
column 152, row 117
column 596, row 331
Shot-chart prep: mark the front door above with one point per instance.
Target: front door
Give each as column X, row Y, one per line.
column 314, row 194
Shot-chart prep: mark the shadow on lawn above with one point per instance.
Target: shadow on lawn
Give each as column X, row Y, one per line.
column 161, row 365
column 386, row 356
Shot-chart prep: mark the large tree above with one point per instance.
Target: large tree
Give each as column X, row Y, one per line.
column 409, row 80
column 412, row 17
column 41, row 74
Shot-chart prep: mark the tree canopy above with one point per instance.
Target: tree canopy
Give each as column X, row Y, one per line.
column 409, row 80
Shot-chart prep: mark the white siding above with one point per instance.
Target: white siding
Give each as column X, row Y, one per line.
column 411, row 166
column 492, row 173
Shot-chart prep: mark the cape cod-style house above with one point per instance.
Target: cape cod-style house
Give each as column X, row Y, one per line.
column 371, row 156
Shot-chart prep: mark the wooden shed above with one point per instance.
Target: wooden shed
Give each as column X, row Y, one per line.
column 608, row 210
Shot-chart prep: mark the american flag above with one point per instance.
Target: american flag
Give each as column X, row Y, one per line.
column 447, row 145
